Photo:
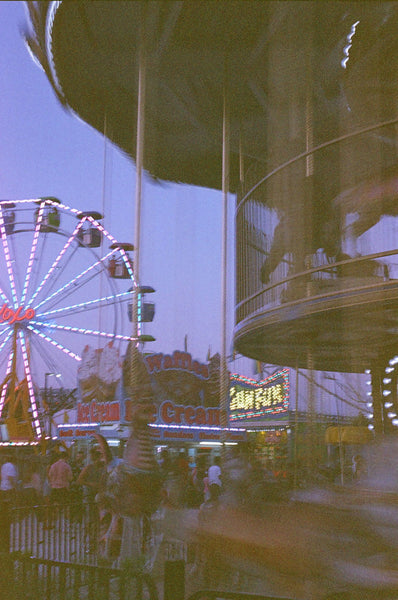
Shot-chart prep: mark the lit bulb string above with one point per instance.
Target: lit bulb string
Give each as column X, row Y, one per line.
column 8, row 259
column 54, row 343
column 85, row 331
column 387, row 382
column 56, row 262
column 254, row 383
column 5, row 383
column 73, row 281
column 346, row 49
column 82, row 306
column 32, row 253
column 96, row 224
column 35, row 414
column 3, row 297
column 4, row 342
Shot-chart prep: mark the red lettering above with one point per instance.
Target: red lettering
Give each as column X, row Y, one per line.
column 167, row 413
column 189, row 415
column 83, row 413
column 154, row 362
column 200, row 416
column 114, row 412
column 29, row 313
column 178, row 411
column 8, row 314
column 213, row 416
column 167, row 362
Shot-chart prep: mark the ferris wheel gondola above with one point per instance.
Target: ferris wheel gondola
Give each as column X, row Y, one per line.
column 55, row 288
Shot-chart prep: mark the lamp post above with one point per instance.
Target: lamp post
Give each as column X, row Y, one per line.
column 46, row 376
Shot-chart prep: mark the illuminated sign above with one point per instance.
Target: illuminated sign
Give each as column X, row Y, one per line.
column 74, row 431
column 103, row 412
column 172, row 414
column 10, row 315
column 178, row 360
column 251, row 399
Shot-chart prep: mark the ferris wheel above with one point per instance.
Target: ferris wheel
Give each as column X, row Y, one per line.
column 65, row 284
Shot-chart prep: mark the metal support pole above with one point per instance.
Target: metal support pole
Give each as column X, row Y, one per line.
column 224, row 383
column 295, row 478
column 140, row 136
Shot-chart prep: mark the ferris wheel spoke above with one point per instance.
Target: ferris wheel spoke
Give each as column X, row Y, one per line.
column 4, row 342
column 32, row 252
column 7, row 256
column 28, row 375
column 86, row 306
column 93, row 332
column 44, row 351
column 4, row 382
column 56, row 262
column 54, row 343
column 3, row 296
column 76, row 282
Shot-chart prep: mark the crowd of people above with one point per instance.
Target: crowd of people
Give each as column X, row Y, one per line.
column 55, row 478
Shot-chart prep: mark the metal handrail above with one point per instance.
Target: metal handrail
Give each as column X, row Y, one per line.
column 346, row 136
column 41, row 578
column 321, row 268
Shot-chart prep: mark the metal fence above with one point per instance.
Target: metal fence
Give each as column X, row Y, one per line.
column 27, row 578
column 65, row 533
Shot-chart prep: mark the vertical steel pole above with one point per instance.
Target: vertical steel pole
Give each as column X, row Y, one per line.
column 224, row 383
column 296, row 421
column 140, row 136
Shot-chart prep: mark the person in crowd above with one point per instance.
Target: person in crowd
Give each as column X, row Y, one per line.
column 59, row 478
column 198, row 476
column 8, row 480
column 93, row 476
column 358, row 467
column 31, row 492
column 182, row 474
column 214, row 472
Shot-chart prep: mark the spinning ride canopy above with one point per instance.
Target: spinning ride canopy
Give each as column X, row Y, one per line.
column 90, row 51
column 280, row 65
column 92, row 63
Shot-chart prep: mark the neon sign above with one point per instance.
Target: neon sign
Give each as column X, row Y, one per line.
column 13, row 316
column 250, row 399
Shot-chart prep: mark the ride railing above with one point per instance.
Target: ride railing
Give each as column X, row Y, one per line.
column 318, row 224
column 27, row 578
column 66, row 533
column 323, row 279
column 70, row 532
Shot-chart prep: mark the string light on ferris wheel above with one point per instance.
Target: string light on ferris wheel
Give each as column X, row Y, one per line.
column 19, row 319
column 74, row 280
column 8, row 259
column 56, row 262
column 32, row 253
